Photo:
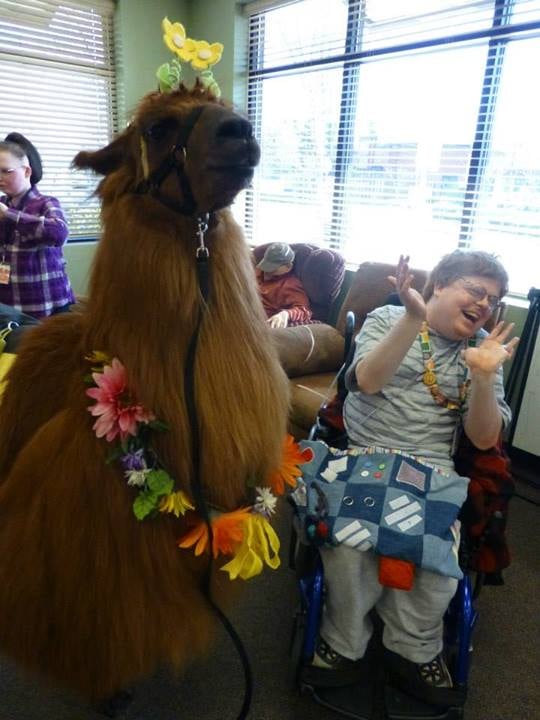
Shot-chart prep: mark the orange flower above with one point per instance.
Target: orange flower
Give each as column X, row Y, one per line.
column 289, row 472
column 198, row 536
column 227, row 532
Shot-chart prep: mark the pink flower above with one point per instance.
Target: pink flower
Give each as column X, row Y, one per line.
column 118, row 413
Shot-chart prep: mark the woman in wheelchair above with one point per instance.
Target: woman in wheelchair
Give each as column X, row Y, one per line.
column 421, row 374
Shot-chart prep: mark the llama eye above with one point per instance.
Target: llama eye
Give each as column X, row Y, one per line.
column 158, row 131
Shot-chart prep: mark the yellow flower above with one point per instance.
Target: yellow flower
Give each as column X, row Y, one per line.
column 98, row 358
column 260, row 544
column 205, row 55
column 177, row 503
column 6, row 361
column 174, row 37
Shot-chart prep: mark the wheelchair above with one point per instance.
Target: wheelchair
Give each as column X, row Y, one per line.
column 376, row 694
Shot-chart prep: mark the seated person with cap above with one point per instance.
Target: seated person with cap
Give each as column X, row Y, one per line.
column 283, row 296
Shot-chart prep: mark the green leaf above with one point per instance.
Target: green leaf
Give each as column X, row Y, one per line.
column 175, row 62
column 159, row 483
column 253, row 481
column 209, row 81
column 158, row 425
column 116, row 453
column 144, row 504
column 168, row 77
column 163, row 72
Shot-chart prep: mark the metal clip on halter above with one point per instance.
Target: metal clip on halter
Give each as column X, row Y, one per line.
column 202, row 227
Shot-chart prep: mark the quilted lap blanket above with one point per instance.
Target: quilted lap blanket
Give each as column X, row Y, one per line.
column 383, row 501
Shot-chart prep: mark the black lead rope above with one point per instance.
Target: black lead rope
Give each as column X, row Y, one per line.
column 196, row 484
column 151, row 185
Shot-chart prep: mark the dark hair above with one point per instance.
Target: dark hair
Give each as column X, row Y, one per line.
column 20, row 146
column 461, row 263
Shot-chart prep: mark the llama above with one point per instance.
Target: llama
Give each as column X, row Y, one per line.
column 90, row 597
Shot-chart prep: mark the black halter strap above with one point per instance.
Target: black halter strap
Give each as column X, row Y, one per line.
column 174, row 160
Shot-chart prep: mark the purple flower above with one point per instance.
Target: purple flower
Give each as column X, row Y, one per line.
column 134, row 460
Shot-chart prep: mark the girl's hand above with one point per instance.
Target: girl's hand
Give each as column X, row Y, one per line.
column 412, row 300
column 488, row 357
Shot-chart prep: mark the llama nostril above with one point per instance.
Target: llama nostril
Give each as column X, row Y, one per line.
column 237, row 127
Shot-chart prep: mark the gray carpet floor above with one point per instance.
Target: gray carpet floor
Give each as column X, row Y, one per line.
column 504, row 679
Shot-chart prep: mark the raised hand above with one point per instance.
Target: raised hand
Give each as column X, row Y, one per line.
column 493, row 351
column 412, row 300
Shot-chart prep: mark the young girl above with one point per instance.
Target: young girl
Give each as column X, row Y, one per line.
column 33, row 230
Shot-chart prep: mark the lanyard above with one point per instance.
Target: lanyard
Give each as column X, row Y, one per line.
column 5, row 332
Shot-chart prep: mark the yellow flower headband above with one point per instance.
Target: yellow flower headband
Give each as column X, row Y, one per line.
column 200, row 54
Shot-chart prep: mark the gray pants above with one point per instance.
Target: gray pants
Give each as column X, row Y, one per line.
column 413, row 620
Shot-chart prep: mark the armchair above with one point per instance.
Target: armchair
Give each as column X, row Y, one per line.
column 312, row 361
column 321, row 272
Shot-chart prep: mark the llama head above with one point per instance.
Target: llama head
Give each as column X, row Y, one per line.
column 185, row 148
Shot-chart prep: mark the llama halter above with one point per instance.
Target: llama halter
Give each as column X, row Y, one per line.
column 245, row 534
column 173, row 161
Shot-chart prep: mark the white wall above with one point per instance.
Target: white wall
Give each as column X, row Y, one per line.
column 79, row 258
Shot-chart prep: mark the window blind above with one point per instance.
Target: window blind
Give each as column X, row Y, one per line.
column 58, row 89
column 390, row 127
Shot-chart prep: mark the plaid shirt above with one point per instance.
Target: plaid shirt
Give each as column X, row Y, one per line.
column 31, row 238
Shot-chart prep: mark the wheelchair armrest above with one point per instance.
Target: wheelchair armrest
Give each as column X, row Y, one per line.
column 349, row 333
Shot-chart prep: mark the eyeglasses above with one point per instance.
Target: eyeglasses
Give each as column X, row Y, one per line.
column 6, row 172
column 479, row 293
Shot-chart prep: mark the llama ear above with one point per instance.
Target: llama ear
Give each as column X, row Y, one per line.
column 108, row 158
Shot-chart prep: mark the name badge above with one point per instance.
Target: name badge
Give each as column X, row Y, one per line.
column 5, row 272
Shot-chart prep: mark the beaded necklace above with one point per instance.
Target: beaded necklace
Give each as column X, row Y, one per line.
column 429, row 377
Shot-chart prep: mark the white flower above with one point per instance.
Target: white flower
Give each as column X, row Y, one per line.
column 265, row 503
column 136, row 477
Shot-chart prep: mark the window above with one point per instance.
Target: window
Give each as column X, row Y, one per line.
column 390, row 127
column 58, row 89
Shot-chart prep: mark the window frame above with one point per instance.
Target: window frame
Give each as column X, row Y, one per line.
column 498, row 37
column 69, row 43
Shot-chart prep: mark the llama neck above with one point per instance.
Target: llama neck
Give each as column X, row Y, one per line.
column 147, row 313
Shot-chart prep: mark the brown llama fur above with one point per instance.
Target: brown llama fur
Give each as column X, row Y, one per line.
column 90, row 597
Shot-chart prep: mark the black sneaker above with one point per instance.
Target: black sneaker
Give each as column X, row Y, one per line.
column 430, row 682
column 330, row 669
column 436, row 673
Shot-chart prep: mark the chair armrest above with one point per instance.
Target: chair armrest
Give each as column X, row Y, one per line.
column 309, row 349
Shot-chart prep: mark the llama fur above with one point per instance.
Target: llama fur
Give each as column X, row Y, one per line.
column 90, row 597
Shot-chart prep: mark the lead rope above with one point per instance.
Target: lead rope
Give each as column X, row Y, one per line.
column 202, row 256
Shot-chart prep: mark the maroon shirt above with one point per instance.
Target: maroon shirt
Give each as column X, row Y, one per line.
column 284, row 292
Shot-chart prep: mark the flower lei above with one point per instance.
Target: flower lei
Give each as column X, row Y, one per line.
column 244, row 534
column 200, row 54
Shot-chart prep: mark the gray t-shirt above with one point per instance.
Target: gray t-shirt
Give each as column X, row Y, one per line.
column 403, row 415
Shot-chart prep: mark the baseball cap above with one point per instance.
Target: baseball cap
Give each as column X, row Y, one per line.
column 31, row 153
column 276, row 255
